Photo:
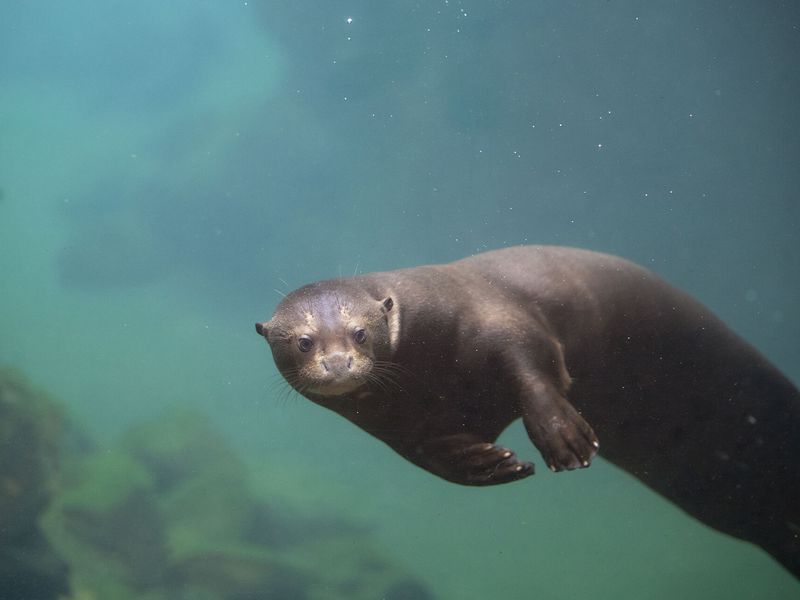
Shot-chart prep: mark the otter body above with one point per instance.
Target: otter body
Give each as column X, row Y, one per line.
column 436, row 361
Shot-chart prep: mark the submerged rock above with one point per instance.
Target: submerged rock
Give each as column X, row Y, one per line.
column 229, row 543
column 29, row 432
column 110, row 516
column 168, row 514
column 238, row 573
column 180, row 445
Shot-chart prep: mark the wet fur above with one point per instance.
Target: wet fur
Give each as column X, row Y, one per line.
column 583, row 347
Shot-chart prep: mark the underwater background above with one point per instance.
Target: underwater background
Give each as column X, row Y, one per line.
column 169, row 169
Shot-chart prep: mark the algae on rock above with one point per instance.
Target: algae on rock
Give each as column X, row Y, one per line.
column 169, row 513
column 30, row 426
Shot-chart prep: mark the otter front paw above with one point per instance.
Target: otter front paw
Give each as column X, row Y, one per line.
column 564, row 438
column 474, row 463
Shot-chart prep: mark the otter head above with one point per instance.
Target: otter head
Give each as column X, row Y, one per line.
column 326, row 341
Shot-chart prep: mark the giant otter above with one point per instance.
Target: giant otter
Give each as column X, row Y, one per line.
column 586, row 348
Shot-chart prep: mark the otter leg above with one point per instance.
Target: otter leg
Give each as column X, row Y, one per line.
column 564, row 438
column 465, row 459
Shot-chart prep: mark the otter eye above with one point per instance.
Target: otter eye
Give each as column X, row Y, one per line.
column 305, row 343
column 360, row 336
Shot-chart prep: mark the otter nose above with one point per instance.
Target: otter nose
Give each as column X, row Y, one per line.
column 337, row 363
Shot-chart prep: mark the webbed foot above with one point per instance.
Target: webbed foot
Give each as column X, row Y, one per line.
column 464, row 460
column 561, row 434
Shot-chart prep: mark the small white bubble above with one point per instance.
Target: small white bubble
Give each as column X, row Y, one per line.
column 349, row 20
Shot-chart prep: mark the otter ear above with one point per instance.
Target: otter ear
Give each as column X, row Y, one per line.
column 393, row 321
column 262, row 328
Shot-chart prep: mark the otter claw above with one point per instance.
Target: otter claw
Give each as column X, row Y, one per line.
column 463, row 460
column 564, row 438
column 492, row 464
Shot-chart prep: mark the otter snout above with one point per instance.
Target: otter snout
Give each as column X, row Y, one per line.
column 337, row 363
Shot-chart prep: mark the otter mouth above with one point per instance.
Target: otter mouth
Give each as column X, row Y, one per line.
column 333, row 388
column 337, row 374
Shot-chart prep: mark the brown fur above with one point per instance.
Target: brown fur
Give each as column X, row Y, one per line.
column 454, row 353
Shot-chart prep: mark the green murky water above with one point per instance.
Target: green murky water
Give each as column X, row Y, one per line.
column 168, row 169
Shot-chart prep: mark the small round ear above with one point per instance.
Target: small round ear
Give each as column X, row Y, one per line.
column 387, row 303
column 262, row 328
